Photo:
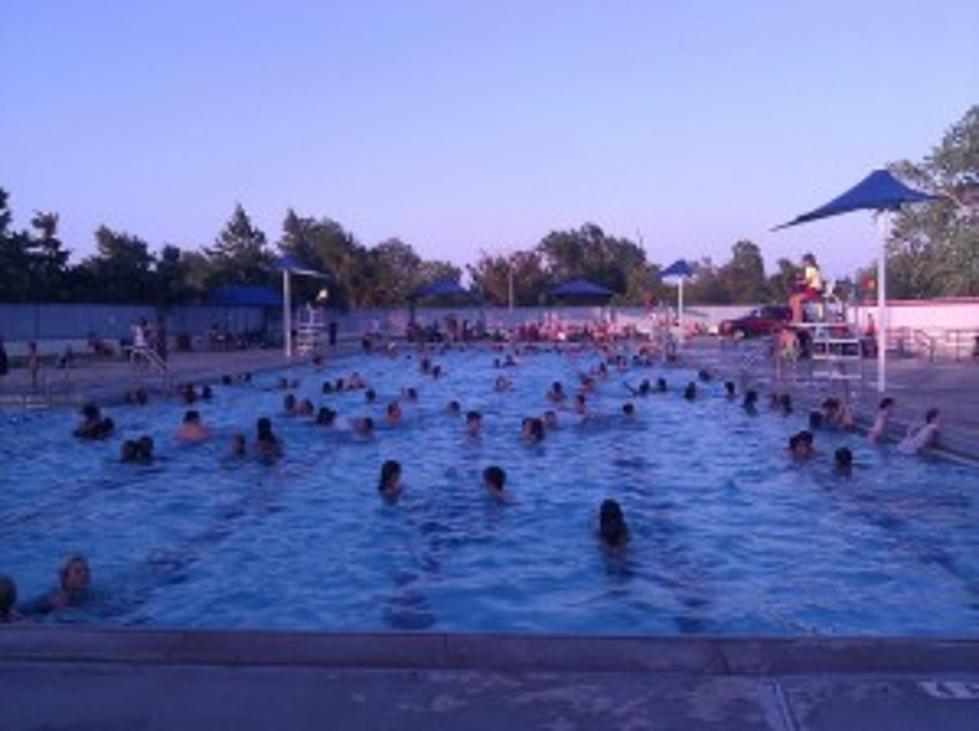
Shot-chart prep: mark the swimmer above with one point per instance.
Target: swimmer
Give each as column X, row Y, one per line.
column 389, row 485
column 785, row 404
column 436, row 371
column 410, row 394
column 454, row 408
column 91, row 422
column 661, row 385
column 643, row 389
column 704, row 375
column 580, row 406
column 226, row 379
column 494, row 478
column 879, row 429
column 75, row 580
column 206, row 393
column 474, row 423
column 8, row 599
column 843, row 461
column 129, row 451
column 370, row 396
column 556, row 393
column 289, row 404
column 800, row 445
column 729, row 390
column 550, row 419
column 327, row 388
column 815, row 420
column 144, row 448
column 305, row 408
column 628, row 410
column 192, row 431
column 326, row 417
column 750, row 402
column 188, row 393
column 267, row 444
column 612, row 527
column 501, row 383
column 924, row 436
column 394, row 413
column 363, row 426
column 239, row 447
column 690, row 392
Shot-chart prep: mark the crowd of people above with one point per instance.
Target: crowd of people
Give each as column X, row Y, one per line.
column 560, row 401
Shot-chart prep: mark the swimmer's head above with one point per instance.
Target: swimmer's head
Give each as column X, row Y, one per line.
column 454, row 408
column 327, row 387
column 326, row 416
column 729, row 388
column 306, row 407
column 690, row 392
column 144, row 448
column 74, row 574
column 91, row 412
column 390, row 480
column 661, row 384
column 750, row 399
column 628, row 409
column 550, row 419
column 129, row 451
column 8, row 595
column 494, row 478
column 815, row 420
column 785, row 403
column 394, row 411
column 192, row 417
column 886, row 403
column 844, row 459
column 612, row 524
column 931, row 416
column 238, row 444
column 474, row 421
column 289, row 402
column 264, row 428
column 370, row 396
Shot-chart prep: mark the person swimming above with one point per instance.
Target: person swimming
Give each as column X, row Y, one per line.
column 556, row 393
column 363, row 426
column 800, row 445
column 704, row 375
column 494, row 478
column 750, row 402
column 389, row 484
column 881, row 421
column 8, row 600
column 370, row 396
column 815, row 420
column 393, row 413
column 690, row 392
column 550, row 419
column 326, row 416
column 661, row 385
column 843, row 461
column 612, row 527
column 129, row 451
column 267, row 444
column 305, row 408
column 474, row 423
column 454, row 408
column 628, row 410
column 91, row 423
column 785, row 404
column 144, row 448
column 289, row 404
column 502, row 383
column 192, row 431
column 206, row 393
column 924, row 436
column 239, row 447
column 327, row 388
column 729, row 390
column 75, row 581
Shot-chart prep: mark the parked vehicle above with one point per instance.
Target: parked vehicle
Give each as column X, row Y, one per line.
column 760, row 321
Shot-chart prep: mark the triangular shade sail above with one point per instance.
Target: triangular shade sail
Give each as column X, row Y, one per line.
column 679, row 268
column 289, row 263
column 441, row 288
column 879, row 191
column 581, row 288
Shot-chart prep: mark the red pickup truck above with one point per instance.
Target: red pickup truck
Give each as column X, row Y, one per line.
column 761, row 321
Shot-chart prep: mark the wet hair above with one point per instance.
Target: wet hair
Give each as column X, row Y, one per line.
column 91, row 411
column 704, row 375
column 472, row 416
column 793, row 442
column 931, row 415
column 8, row 595
column 144, row 448
column 750, row 398
column 495, row 476
column 238, row 443
column 844, row 457
column 393, row 408
column 886, row 402
column 206, row 393
column 192, row 417
column 106, row 427
column 454, row 406
column 805, row 436
column 390, row 470
column 536, row 429
column 412, row 394
column 66, row 565
column 370, row 395
column 327, row 387
column 368, row 423
column 831, row 404
column 690, row 392
column 815, row 420
column 289, row 402
column 129, row 451
column 264, row 428
column 785, row 403
column 226, row 380
column 612, row 526
column 628, row 409
column 729, row 388
column 556, row 387
column 326, row 416
column 661, row 384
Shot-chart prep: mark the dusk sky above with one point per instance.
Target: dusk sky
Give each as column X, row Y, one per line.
column 460, row 126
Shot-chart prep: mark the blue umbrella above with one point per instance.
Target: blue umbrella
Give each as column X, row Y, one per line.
column 680, row 268
column 882, row 192
column 581, row 288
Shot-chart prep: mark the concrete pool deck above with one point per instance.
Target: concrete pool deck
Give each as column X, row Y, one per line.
column 67, row 678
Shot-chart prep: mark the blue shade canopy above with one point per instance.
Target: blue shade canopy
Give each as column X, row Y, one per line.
column 289, row 263
column 441, row 288
column 243, row 295
column 879, row 191
column 679, row 268
column 581, row 288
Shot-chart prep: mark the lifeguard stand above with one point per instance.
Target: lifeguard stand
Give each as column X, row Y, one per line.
column 311, row 331
column 834, row 344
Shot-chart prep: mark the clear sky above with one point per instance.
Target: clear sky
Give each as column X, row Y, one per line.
column 464, row 125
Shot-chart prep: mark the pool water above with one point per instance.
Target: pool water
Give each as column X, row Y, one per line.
column 728, row 535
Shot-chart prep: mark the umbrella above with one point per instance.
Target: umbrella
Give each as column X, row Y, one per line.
column 680, row 268
column 441, row 288
column 581, row 288
column 289, row 265
column 880, row 191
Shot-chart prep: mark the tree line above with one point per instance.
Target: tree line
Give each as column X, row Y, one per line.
column 934, row 251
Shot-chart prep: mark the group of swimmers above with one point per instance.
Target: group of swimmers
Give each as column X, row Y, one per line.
column 74, row 585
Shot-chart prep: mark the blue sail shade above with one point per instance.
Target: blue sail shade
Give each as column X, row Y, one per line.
column 879, row 191
column 679, row 268
column 441, row 288
column 243, row 295
column 581, row 288
column 289, row 263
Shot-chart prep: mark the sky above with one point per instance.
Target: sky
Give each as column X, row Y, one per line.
column 474, row 126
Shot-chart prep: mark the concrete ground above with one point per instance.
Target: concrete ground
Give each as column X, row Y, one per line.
column 126, row 679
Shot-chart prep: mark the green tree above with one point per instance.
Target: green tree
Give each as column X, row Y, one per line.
column 491, row 276
column 240, row 254
column 121, row 270
column 934, row 247
column 744, row 275
column 589, row 253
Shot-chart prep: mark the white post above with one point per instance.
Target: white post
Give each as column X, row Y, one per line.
column 883, row 230
column 680, row 308
column 287, row 311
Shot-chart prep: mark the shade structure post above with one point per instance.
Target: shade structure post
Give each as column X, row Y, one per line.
column 680, row 307
column 883, row 231
column 287, row 311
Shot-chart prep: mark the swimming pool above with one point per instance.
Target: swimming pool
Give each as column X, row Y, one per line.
column 728, row 534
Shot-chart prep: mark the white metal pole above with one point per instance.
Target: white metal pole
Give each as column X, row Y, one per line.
column 287, row 311
column 680, row 307
column 883, row 230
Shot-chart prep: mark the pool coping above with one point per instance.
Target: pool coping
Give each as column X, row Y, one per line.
column 702, row 655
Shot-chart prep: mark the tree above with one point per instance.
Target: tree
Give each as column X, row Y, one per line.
column 781, row 284
column 121, row 270
column 491, row 278
column 171, row 281
column 589, row 253
column 239, row 254
column 934, row 247
column 744, row 275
